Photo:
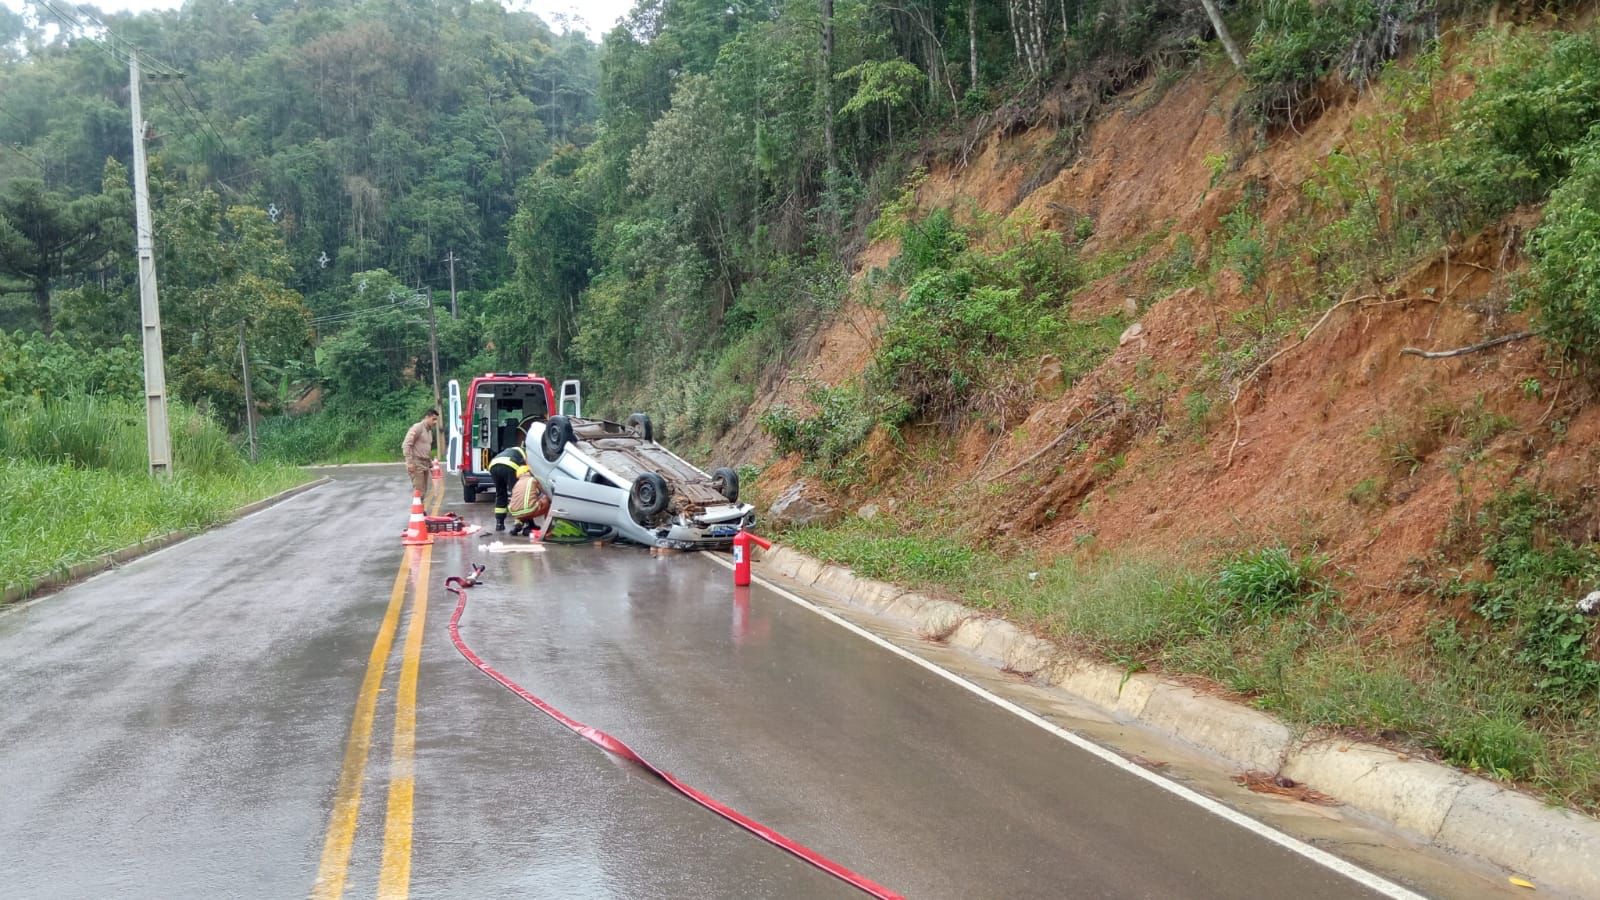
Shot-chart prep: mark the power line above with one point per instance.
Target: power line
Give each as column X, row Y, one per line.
column 168, row 71
column 126, row 46
column 13, row 117
column 18, row 151
column 164, row 88
column 408, row 303
column 161, row 73
column 75, row 28
column 184, row 85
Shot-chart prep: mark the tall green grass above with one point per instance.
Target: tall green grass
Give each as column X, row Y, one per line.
column 336, row 436
column 74, row 482
column 96, row 433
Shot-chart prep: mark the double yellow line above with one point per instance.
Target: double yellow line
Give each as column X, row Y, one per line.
column 394, row 876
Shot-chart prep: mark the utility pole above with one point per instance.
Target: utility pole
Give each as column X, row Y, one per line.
column 433, row 349
column 451, row 259
column 249, row 398
column 155, row 370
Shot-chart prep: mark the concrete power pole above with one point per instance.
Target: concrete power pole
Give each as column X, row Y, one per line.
column 249, row 398
column 451, row 259
column 155, row 370
column 433, row 349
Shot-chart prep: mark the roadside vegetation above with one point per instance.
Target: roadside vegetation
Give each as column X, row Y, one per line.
column 969, row 312
column 73, row 483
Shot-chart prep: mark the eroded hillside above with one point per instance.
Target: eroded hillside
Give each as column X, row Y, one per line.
column 1242, row 362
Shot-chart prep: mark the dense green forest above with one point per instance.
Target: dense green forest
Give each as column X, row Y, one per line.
column 660, row 214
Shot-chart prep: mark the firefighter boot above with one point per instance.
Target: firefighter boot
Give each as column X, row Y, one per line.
column 499, row 521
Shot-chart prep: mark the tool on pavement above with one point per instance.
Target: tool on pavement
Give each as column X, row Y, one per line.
column 459, row 585
column 450, row 525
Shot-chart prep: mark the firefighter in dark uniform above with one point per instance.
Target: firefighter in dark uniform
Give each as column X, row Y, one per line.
column 505, row 469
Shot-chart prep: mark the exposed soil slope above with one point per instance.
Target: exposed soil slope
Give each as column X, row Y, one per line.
column 1315, row 459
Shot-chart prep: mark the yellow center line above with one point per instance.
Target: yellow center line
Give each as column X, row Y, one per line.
column 341, row 834
column 394, row 879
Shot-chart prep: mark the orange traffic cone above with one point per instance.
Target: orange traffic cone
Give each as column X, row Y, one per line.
column 417, row 529
column 437, row 473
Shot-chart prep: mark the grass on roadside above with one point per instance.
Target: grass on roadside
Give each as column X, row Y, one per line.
column 1265, row 625
column 332, row 437
column 55, row 516
column 73, row 483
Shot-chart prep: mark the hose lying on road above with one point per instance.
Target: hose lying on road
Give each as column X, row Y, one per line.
column 458, row 585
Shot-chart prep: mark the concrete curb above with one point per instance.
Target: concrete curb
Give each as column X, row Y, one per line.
column 72, row 574
column 1557, row 848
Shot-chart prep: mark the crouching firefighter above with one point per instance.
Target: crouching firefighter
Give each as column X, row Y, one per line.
column 505, row 469
column 528, row 503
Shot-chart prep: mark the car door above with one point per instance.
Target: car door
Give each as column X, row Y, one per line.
column 574, row 496
column 452, row 454
column 571, row 403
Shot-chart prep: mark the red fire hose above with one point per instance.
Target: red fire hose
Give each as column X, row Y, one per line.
column 458, row 586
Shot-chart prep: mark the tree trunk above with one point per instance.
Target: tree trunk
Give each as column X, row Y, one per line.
column 972, row 45
column 1016, row 38
column 41, row 302
column 1222, row 34
column 829, row 178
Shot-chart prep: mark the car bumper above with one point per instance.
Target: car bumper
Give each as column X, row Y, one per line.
column 696, row 536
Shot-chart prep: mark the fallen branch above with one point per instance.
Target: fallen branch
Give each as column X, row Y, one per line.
column 1463, row 351
column 1088, row 417
column 1552, row 407
column 1401, row 300
column 1239, row 388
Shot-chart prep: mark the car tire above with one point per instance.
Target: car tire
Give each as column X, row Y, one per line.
column 727, row 483
column 648, row 497
column 557, row 435
column 469, row 492
column 639, row 424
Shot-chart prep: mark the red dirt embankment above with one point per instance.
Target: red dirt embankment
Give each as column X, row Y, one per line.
column 1341, row 442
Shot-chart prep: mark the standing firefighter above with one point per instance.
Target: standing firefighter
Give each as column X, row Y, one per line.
column 505, row 469
column 417, row 449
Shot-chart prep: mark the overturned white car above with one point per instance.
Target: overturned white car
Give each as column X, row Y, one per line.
column 614, row 480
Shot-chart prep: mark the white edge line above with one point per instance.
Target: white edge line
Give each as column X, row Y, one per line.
column 1349, row 870
column 26, row 604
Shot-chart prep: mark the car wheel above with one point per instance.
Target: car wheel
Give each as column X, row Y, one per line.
column 557, row 435
column 727, row 483
column 648, row 498
column 639, row 424
column 469, row 492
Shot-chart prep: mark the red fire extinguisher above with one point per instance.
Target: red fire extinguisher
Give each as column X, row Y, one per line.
column 741, row 555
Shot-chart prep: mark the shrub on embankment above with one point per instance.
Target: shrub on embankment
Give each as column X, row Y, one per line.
column 73, row 483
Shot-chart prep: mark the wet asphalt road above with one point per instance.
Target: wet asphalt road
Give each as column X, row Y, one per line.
column 176, row 728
